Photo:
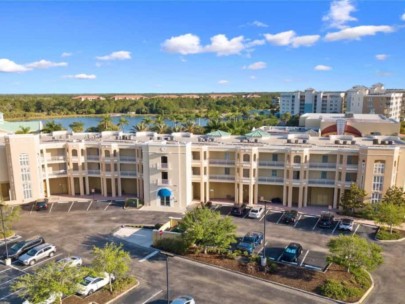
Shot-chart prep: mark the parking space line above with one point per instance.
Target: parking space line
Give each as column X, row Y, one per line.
column 282, row 214
column 71, row 206
column 149, row 256
column 297, row 220
column 108, row 205
column 355, row 230
column 5, row 270
column 32, row 208
column 316, row 223
column 333, row 232
column 305, row 256
column 50, row 209
column 147, row 301
column 17, row 268
column 229, row 212
column 265, row 214
column 278, row 259
column 43, row 261
column 265, row 244
column 91, row 202
column 11, row 280
column 10, row 294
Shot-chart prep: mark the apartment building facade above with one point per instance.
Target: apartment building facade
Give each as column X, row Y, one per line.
column 173, row 171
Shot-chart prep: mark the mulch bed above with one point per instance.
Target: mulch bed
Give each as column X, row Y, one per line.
column 289, row 275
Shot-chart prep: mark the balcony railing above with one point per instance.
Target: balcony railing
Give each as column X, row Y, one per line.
column 128, row 173
column 271, row 164
column 54, row 158
column 322, row 165
column 321, row 181
column 93, row 172
column 223, row 177
column 163, row 166
column 127, row 158
column 164, row 182
column 222, row 162
column 57, row 173
column 93, row 157
column 267, row 179
column 351, row 167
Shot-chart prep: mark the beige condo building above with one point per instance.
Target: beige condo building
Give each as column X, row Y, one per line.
column 173, row 171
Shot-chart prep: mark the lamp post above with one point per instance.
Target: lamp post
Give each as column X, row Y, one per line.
column 167, row 254
column 92, row 192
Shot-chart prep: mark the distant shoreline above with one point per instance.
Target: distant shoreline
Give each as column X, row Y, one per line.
column 47, row 117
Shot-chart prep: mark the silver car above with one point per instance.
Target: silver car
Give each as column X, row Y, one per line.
column 183, row 300
column 37, row 253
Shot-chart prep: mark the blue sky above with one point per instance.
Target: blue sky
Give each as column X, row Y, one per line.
column 200, row 46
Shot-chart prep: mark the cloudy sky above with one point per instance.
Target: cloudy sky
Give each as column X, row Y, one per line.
column 207, row 46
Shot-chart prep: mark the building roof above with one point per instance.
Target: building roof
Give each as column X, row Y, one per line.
column 257, row 133
column 218, row 133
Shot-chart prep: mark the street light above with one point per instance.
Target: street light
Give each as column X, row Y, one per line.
column 92, row 192
column 167, row 254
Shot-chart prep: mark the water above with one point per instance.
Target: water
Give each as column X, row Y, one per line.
column 94, row 121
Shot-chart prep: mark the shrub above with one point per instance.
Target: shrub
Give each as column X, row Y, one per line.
column 384, row 234
column 176, row 246
column 208, row 204
column 362, row 278
column 157, row 226
column 272, row 267
column 338, row 291
column 231, row 255
column 121, row 284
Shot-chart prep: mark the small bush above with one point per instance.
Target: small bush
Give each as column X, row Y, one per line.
column 384, row 234
column 362, row 278
column 176, row 246
column 338, row 291
column 121, row 284
column 208, row 204
column 157, row 226
column 272, row 267
column 246, row 253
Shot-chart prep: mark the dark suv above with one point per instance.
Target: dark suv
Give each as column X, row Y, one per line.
column 22, row 247
column 239, row 210
column 290, row 216
column 326, row 220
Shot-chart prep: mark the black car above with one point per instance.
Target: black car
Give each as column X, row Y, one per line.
column 326, row 220
column 239, row 210
column 290, row 216
column 41, row 206
column 276, row 200
column 22, row 247
column 291, row 252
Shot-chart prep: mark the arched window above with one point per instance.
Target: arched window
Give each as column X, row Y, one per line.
column 246, row 157
column 297, row 159
column 107, row 153
column 74, row 152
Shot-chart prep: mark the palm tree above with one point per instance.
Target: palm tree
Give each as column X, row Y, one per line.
column 23, row 130
column 190, row 126
column 160, row 127
column 77, row 126
column 106, row 124
column 122, row 122
column 142, row 126
column 147, row 120
column 52, row 126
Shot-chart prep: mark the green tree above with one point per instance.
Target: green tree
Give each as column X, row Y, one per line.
column 285, row 117
column 206, row 228
column 77, row 126
column 52, row 126
column 23, row 130
column 111, row 259
column 352, row 199
column 10, row 215
column 389, row 214
column 123, row 121
column 53, row 279
column 142, row 126
column 160, row 127
column 106, row 124
column 394, row 195
column 354, row 252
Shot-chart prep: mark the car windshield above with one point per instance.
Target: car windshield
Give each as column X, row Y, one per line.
column 17, row 246
column 347, row 221
column 86, row 281
column 254, row 210
column 291, row 250
column 248, row 239
column 32, row 252
column 41, row 204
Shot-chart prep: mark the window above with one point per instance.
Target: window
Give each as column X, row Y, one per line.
column 297, row 159
column 246, row 173
column 274, row 173
column 379, row 167
column 324, row 158
column 246, row 158
column 227, row 171
column 323, row 175
column 25, row 175
column 274, row 157
column 165, row 201
column 378, row 181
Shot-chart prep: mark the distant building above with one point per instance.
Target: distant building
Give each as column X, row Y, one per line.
column 217, row 96
column 194, row 96
column 89, row 97
column 129, row 97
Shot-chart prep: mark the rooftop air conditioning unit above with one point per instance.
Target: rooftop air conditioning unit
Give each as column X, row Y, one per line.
column 376, row 141
column 304, row 141
column 289, row 141
column 337, row 141
column 353, row 142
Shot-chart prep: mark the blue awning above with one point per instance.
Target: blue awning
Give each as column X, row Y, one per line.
column 164, row 192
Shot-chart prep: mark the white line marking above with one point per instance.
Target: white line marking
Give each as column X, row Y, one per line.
column 50, row 209
column 148, row 256
column 11, row 280
column 17, row 268
column 32, row 208
column 296, row 223
column 5, row 270
column 10, row 294
column 43, row 261
column 229, row 212
column 355, row 230
column 278, row 259
column 71, row 206
column 108, row 205
column 333, row 232
column 282, row 214
column 152, row 296
column 265, row 244
column 316, row 223
column 265, row 214
column 91, row 202
column 305, row 256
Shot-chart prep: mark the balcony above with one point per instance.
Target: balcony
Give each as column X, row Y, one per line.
column 350, row 167
column 271, row 164
column 50, row 159
column 222, row 177
column 127, row 158
column 93, row 157
column 93, row 172
column 128, row 173
column 56, row 173
column 110, row 159
column 163, row 166
column 321, row 182
column 164, row 182
column 228, row 162
column 266, row 179
column 322, row 165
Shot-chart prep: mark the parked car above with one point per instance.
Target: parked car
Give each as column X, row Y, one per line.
column 290, row 216
column 239, row 210
column 41, row 206
column 250, row 241
column 90, row 284
column 37, row 253
column 346, row 224
column 183, row 300
column 276, row 200
column 291, row 253
column 22, row 247
column 256, row 212
column 72, row 261
column 326, row 220
column 52, row 299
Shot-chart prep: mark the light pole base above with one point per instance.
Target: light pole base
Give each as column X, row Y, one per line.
column 263, row 261
column 7, row 262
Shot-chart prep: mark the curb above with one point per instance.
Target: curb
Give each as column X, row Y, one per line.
column 390, row 241
column 124, row 293
column 263, row 280
column 368, row 291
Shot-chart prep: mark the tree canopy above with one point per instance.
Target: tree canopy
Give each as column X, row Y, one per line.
column 389, row 214
column 352, row 199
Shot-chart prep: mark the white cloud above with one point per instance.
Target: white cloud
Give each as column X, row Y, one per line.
column 339, row 13
column 403, row 17
column 45, row 64
column 321, row 67
column 119, row 55
column 258, row 24
column 256, row 66
column 183, row 44
column 8, row 66
column 66, row 54
column 81, row 76
column 291, row 38
column 223, row 81
column 381, row 57
column 255, row 43
column 307, row 40
column 355, row 33
column 223, row 46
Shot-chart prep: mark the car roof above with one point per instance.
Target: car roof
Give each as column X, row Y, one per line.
column 294, row 245
column 39, row 247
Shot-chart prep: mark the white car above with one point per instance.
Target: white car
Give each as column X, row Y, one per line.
column 37, row 253
column 183, row 300
column 72, row 261
column 256, row 212
column 346, row 224
column 91, row 284
column 52, row 299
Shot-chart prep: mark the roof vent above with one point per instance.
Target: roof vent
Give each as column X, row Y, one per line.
column 376, row 141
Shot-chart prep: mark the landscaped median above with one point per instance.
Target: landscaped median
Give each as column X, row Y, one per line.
column 384, row 234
